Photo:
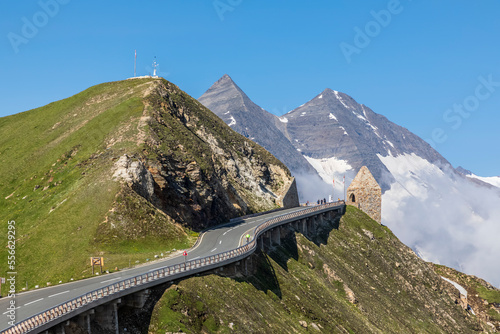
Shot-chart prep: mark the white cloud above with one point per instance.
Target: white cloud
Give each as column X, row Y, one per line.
column 444, row 217
column 493, row 180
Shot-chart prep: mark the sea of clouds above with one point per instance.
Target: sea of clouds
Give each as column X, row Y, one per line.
column 443, row 216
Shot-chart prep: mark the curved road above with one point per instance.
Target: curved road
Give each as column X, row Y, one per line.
column 216, row 240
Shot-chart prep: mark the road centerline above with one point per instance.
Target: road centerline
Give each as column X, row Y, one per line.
column 57, row 294
column 33, row 302
column 113, row 279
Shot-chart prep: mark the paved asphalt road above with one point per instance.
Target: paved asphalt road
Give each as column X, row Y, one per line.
column 215, row 240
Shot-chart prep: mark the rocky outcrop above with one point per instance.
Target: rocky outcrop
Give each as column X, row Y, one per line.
column 197, row 170
column 135, row 175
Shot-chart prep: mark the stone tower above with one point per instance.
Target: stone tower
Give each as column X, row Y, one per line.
column 365, row 193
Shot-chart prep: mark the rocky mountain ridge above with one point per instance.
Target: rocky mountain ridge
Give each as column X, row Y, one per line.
column 234, row 107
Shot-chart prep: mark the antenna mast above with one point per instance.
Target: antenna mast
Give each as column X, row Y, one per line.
column 155, row 65
column 135, row 64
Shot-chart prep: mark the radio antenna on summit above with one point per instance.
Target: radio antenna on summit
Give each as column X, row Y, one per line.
column 135, row 64
column 155, row 66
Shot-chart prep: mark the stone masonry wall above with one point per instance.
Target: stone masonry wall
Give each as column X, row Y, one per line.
column 367, row 194
column 291, row 197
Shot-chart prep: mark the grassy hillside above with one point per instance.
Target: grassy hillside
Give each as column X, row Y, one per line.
column 56, row 178
column 56, row 183
column 357, row 278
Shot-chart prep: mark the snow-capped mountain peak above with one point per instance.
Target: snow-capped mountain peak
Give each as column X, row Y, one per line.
column 337, row 126
column 235, row 108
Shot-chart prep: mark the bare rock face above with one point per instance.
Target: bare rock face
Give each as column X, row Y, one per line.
column 135, row 174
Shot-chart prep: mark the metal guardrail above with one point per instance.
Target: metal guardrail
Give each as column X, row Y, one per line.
column 60, row 310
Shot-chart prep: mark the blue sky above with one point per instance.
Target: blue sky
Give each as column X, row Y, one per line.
column 430, row 66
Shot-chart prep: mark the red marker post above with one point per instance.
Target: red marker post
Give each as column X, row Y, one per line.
column 185, row 256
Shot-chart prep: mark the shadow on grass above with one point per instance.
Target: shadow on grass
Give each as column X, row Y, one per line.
column 288, row 248
column 264, row 277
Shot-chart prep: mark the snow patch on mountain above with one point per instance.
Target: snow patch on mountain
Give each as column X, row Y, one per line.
column 364, row 111
column 283, row 119
column 493, row 180
column 333, row 169
column 233, row 121
column 361, row 118
column 365, row 120
column 460, row 288
column 340, row 99
column 443, row 216
column 332, row 116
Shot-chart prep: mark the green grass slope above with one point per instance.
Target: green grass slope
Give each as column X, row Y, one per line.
column 358, row 278
column 56, row 178
column 55, row 182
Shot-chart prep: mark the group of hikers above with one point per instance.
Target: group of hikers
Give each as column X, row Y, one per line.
column 319, row 202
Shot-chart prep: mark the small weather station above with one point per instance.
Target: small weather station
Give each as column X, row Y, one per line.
column 155, row 68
